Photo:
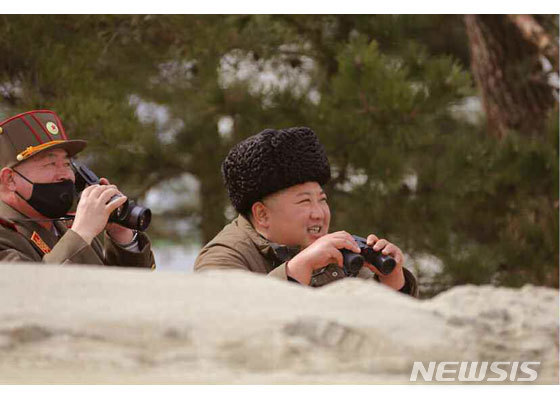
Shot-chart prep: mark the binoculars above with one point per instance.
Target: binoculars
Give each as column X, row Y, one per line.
column 129, row 215
column 354, row 261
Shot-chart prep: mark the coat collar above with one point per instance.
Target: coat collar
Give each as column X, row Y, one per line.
column 274, row 252
column 27, row 228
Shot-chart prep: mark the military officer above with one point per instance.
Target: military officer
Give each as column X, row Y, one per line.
column 274, row 180
column 37, row 191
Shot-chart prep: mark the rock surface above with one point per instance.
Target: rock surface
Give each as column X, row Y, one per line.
column 107, row 325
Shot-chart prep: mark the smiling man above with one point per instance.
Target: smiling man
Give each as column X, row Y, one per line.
column 274, row 180
column 37, row 191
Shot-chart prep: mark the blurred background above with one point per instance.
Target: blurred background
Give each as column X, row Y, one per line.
column 441, row 130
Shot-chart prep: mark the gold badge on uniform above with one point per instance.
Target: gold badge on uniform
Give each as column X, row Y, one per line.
column 35, row 238
column 52, row 128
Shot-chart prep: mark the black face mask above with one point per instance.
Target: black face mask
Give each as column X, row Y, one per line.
column 52, row 200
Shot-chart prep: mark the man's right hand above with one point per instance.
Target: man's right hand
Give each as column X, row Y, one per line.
column 93, row 211
column 324, row 251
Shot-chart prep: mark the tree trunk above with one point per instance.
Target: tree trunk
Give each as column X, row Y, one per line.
column 206, row 166
column 212, row 205
column 506, row 63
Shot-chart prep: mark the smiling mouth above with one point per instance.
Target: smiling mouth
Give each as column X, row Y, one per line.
column 314, row 230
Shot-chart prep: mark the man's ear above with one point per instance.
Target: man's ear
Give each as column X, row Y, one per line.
column 7, row 179
column 259, row 212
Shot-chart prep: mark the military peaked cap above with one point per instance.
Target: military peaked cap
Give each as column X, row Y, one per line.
column 28, row 134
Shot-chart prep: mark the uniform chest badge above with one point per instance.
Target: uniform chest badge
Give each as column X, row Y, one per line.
column 35, row 238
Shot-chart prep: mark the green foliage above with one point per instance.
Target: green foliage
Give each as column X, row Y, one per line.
column 382, row 92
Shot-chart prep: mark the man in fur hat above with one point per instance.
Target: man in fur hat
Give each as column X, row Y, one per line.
column 274, row 180
column 37, row 191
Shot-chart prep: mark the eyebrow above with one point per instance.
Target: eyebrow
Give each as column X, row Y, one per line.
column 49, row 157
column 308, row 193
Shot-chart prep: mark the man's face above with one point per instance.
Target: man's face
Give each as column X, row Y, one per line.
column 48, row 167
column 298, row 215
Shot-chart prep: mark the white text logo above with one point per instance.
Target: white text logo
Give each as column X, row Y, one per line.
column 475, row 371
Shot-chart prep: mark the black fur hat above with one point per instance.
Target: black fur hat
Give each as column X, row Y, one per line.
column 273, row 160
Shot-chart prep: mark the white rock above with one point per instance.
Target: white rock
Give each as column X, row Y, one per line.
column 116, row 325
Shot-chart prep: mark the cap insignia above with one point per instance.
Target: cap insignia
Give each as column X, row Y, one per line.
column 52, row 128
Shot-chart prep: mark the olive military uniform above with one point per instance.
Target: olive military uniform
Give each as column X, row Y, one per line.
column 28, row 241
column 21, row 239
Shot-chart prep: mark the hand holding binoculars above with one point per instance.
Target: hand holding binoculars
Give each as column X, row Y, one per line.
column 353, row 262
column 129, row 215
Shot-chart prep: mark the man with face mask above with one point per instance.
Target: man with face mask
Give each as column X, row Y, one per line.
column 274, row 180
column 37, row 192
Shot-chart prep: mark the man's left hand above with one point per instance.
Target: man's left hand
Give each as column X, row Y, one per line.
column 118, row 233
column 396, row 278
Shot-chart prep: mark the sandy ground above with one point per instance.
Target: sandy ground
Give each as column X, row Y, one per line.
column 110, row 325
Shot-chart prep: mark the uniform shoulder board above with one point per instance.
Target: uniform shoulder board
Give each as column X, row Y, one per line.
column 6, row 223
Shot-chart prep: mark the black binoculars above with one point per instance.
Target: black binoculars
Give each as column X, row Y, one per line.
column 129, row 215
column 353, row 262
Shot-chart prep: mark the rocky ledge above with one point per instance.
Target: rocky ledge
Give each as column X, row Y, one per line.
column 111, row 325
